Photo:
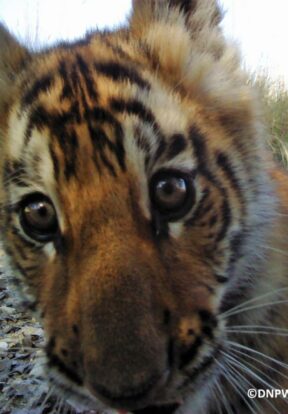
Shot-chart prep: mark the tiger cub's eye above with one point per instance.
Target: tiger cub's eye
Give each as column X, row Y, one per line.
column 172, row 193
column 38, row 217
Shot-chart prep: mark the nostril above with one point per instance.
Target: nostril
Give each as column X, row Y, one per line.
column 170, row 353
column 75, row 329
column 166, row 317
column 64, row 352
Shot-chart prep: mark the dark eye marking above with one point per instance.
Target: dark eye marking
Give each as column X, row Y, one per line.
column 229, row 171
column 177, row 145
column 199, row 145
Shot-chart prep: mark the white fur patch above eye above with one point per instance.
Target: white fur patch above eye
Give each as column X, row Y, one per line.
column 175, row 229
column 39, row 146
column 50, row 251
column 16, row 132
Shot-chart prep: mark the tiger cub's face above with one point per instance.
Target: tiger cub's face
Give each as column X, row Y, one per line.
column 123, row 210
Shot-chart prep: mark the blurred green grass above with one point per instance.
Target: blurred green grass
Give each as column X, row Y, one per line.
column 274, row 97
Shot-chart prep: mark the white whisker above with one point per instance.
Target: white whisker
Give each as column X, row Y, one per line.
column 255, row 299
column 249, row 364
column 249, row 383
column 247, row 331
column 246, row 348
column 238, row 388
column 273, row 249
column 262, row 327
column 246, row 369
column 48, row 395
column 215, row 398
column 262, row 305
column 225, row 400
column 236, row 352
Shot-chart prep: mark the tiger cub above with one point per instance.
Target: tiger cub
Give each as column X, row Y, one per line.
column 143, row 217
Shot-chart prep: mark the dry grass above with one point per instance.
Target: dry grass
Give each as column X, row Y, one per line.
column 274, row 95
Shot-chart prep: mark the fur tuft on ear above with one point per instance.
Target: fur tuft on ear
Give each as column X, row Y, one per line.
column 188, row 7
column 195, row 12
column 184, row 42
column 13, row 57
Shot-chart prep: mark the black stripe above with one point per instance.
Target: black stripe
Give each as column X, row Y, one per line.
column 177, row 144
column 40, row 85
column 206, row 362
column 98, row 137
column 226, row 218
column 69, row 144
column 209, row 323
column 38, row 118
column 213, row 220
column 89, row 81
column 32, row 269
column 24, row 241
column 225, row 164
column 67, row 91
column 20, row 250
column 18, row 267
column 137, row 108
column 56, row 167
column 188, row 355
column 134, row 107
column 103, row 116
column 186, row 6
column 220, row 278
column 199, row 144
column 54, row 361
column 119, row 72
column 118, row 50
column 57, row 122
column 162, row 145
column 100, row 141
column 141, row 140
column 207, row 318
column 200, row 209
column 236, row 244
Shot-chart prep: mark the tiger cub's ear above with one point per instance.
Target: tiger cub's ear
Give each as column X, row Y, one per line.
column 13, row 57
column 188, row 7
column 197, row 13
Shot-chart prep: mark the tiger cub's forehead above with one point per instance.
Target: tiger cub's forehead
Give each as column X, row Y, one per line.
column 94, row 98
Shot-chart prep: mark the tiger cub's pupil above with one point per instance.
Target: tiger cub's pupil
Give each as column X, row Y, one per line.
column 38, row 217
column 170, row 193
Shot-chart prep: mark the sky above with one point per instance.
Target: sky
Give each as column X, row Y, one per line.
column 259, row 27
